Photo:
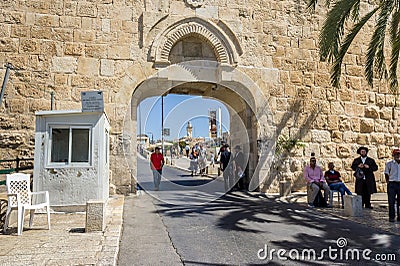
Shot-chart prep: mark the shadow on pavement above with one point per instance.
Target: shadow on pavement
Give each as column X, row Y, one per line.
column 302, row 228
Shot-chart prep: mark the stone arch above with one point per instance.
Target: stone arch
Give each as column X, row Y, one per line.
column 225, row 49
column 261, row 133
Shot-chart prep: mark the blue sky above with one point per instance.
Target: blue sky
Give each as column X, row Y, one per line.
column 178, row 110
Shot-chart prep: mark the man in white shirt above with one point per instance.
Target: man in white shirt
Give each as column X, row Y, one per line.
column 392, row 175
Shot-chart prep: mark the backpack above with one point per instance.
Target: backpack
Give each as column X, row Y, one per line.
column 319, row 200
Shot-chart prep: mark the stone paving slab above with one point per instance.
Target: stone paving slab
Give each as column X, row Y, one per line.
column 65, row 243
column 145, row 239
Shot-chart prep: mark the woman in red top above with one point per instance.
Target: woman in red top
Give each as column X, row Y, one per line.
column 333, row 179
column 156, row 164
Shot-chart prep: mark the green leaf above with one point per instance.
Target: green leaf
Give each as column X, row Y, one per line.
column 336, row 69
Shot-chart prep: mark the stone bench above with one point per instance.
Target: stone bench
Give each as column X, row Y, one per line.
column 95, row 215
column 352, row 205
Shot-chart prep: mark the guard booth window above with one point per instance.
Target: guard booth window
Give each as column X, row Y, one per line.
column 70, row 145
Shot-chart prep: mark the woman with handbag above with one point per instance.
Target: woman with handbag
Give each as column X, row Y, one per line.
column 364, row 168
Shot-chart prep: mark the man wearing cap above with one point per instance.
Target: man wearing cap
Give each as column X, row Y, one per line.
column 315, row 180
column 366, row 185
column 392, row 175
column 156, row 164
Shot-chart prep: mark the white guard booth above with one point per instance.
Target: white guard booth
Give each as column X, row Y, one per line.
column 72, row 157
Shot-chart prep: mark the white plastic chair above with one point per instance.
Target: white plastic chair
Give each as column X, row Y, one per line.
column 20, row 198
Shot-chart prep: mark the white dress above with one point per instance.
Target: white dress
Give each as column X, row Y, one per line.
column 194, row 165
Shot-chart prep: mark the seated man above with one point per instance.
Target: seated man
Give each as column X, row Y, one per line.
column 315, row 181
column 333, row 178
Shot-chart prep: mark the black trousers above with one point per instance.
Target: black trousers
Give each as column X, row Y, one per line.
column 393, row 191
column 366, row 196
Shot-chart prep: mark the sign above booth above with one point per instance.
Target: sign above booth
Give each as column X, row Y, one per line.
column 92, row 101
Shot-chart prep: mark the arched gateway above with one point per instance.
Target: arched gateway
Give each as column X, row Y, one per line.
column 194, row 56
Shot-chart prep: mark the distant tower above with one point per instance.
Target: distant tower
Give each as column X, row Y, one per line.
column 189, row 129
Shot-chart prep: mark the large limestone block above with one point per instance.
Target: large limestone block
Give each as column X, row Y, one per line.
column 95, row 215
column 352, row 205
column 64, row 64
column 88, row 66
column 87, row 10
column 372, row 112
column 366, row 125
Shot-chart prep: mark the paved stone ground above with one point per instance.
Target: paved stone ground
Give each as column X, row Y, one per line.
column 145, row 239
column 376, row 218
column 66, row 243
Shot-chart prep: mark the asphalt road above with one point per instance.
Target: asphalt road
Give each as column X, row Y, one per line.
column 238, row 228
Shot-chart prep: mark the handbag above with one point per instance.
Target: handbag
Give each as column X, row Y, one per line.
column 359, row 174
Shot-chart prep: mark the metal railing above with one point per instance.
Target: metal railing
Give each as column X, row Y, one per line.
column 6, row 166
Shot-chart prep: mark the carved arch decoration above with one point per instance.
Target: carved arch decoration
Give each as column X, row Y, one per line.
column 225, row 50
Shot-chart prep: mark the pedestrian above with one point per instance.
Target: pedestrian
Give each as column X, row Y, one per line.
column 202, row 159
column 392, row 176
column 187, row 149
column 212, row 159
column 227, row 168
column 194, row 164
column 315, row 181
column 221, row 150
column 364, row 168
column 335, row 183
column 156, row 165
column 238, row 168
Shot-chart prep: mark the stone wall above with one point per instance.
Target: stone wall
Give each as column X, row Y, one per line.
column 69, row 46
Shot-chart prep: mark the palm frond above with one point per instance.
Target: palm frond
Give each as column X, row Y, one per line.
column 336, row 68
column 311, row 4
column 333, row 28
column 394, row 25
column 375, row 53
column 394, row 59
column 355, row 11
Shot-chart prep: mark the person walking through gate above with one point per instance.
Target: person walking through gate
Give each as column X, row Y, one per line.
column 187, row 148
column 392, row 175
column 364, row 168
column 202, row 159
column 227, row 168
column 156, row 165
column 212, row 160
column 238, row 168
column 194, row 164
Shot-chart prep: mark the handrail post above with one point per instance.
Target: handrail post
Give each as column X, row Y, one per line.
column 3, row 87
column 17, row 166
column 52, row 100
